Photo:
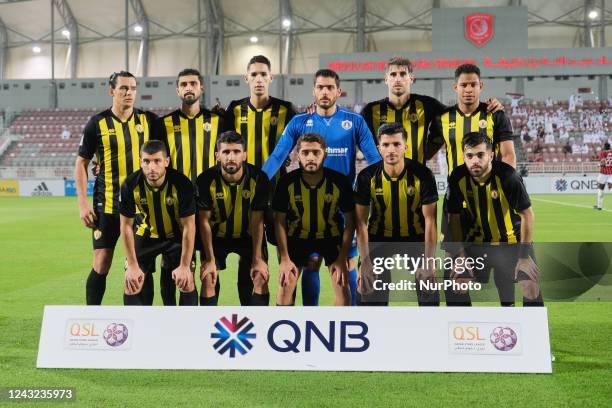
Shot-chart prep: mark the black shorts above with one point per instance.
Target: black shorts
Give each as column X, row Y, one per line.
column 107, row 230
column 148, row 249
column 301, row 249
column 243, row 247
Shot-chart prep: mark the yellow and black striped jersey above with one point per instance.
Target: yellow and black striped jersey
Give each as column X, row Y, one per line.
column 450, row 127
column 231, row 204
column 416, row 116
column 158, row 210
column 494, row 204
column 261, row 128
column 116, row 144
column 314, row 212
column 190, row 140
column 396, row 202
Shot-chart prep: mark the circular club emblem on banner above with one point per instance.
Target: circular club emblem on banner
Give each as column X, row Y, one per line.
column 503, row 338
column 139, row 128
column 482, row 124
column 347, row 124
column 413, row 117
column 207, row 127
column 494, row 194
column 115, row 334
column 479, row 28
column 233, row 335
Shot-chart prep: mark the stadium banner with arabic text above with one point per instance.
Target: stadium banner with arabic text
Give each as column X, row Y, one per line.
column 478, row 339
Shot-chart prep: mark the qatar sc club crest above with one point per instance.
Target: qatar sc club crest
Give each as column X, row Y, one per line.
column 479, row 28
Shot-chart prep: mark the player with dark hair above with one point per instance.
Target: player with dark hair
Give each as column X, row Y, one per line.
column 233, row 196
column 396, row 201
column 500, row 228
column 415, row 112
column 344, row 131
column 157, row 218
column 605, row 174
column 450, row 127
column 314, row 212
column 115, row 136
column 190, row 134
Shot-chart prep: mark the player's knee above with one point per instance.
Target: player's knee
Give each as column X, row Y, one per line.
column 103, row 258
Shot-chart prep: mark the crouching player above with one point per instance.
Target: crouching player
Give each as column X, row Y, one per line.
column 501, row 229
column 233, row 196
column 396, row 201
column 157, row 218
column 313, row 212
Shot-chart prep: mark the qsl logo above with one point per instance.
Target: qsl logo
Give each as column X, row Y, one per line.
column 233, row 336
column 561, row 185
column 503, row 338
column 115, row 334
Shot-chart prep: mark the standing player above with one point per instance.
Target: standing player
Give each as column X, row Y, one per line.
column 396, row 201
column 115, row 137
column 233, row 196
column 314, row 212
column 468, row 115
column 343, row 132
column 415, row 112
column 190, row 134
column 157, row 218
column 259, row 118
column 605, row 174
column 500, row 223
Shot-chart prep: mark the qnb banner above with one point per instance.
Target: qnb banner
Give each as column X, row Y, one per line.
column 478, row 339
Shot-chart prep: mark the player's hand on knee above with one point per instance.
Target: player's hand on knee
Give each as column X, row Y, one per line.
column 287, row 273
column 183, row 278
column 134, row 279
column 426, row 275
column 530, row 289
column 339, row 272
column 259, row 272
column 209, row 269
column 529, row 267
column 88, row 216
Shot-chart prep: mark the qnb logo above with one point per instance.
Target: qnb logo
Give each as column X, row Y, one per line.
column 561, row 185
column 503, row 338
column 233, row 336
column 350, row 337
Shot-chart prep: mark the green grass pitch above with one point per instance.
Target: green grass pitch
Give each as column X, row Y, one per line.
column 46, row 257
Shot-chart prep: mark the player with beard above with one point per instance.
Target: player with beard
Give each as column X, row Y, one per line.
column 190, row 134
column 313, row 212
column 343, row 131
column 233, row 196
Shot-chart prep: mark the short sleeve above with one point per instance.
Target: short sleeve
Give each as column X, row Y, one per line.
column 517, row 193
column 429, row 188
column 346, row 204
column 502, row 128
column 362, row 187
column 260, row 200
column 455, row 198
column 187, row 205
column 127, row 207
column 280, row 201
column 204, row 200
column 89, row 140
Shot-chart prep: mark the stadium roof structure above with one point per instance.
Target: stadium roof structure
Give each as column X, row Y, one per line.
column 214, row 22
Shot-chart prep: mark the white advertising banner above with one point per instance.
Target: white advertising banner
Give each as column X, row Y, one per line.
column 477, row 339
column 41, row 188
column 553, row 184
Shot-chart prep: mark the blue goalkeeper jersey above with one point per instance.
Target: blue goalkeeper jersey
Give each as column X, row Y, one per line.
column 343, row 132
